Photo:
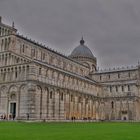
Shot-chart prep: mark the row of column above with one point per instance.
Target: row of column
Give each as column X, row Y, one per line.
column 57, row 104
column 8, row 59
column 4, row 31
column 14, row 74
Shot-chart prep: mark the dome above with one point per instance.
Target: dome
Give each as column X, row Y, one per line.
column 82, row 51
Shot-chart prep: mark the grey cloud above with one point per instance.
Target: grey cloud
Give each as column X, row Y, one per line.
column 111, row 27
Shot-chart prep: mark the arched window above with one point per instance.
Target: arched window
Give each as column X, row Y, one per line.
column 112, row 105
column 2, row 42
column 118, row 75
column 9, row 39
column 109, row 76
column 116, row 88
column 122, row 88
column 110, row 88
column 39, row 71
column 100, row 77
column 16, row 74
column 28, row 67
column 4, row 76
column 46, row 73
column 3, row 31
column 8, row 32
column 62, row 97
column 5, row 44
column 128, row 87
column 51, row 95
column 23, row 48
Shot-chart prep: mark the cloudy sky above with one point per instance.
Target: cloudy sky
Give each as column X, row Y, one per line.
column 111, row 28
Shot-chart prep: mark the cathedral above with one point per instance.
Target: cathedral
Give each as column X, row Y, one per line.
column 42, row 84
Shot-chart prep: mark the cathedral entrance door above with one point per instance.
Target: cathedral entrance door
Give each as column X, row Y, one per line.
column 13, row 110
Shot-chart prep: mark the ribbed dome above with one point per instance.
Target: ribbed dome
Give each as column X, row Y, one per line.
column 82, row 51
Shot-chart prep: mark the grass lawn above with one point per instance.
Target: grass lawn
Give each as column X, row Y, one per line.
column 69, row 131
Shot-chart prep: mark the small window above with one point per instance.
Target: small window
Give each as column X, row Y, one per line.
column 128, row 87
column 46, row 73
column 118, row 75
column 39, row 71
column 122, row 88
column 100, row 77
column 110, row 88
column 9, row 40
column 62, row 97
column 2, row 42
column 4, row 76
column 112, row 105
column 15, row 74
column 51, row 95
column 109, row 76
column 116, row 89
column 23, row 48
column 5, row 43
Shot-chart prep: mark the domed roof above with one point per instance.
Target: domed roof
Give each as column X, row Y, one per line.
column 82, row 51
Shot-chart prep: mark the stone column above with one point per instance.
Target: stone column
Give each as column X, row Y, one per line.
column 31, row 93
column 71, row 106
column 47, row 104
column 93, row 110
column 83, row 108
column 97, row 109
column 135, row 111
column 120, row 110
column 62, row 106
column 67, row 106
column 41, row 104
column 44, row 104
column 56, row 104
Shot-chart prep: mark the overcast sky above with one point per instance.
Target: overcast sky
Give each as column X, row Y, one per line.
column 111, row 28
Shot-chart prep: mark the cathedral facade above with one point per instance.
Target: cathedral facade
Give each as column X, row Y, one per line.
column 40, row 83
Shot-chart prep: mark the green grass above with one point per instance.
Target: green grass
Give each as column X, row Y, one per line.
column 69, row 131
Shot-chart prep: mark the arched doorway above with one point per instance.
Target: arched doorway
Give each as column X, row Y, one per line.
column 12, row 106
column 13, row 102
